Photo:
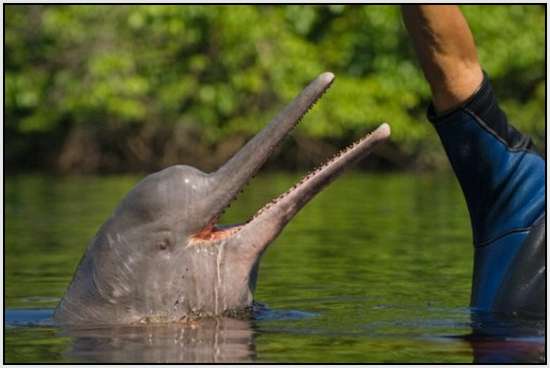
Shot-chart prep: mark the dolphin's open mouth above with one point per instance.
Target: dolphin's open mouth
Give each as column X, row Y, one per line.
column 213, row 231
column 231, row 178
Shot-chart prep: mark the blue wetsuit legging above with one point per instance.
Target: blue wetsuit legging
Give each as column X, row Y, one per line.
column 503, row 181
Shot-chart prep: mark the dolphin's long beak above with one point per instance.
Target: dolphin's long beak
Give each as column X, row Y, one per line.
column 271, row 219
column 229, row 180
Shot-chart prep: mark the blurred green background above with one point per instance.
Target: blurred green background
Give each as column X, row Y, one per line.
column 104, row 88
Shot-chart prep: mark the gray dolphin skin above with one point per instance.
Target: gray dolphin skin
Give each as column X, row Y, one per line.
column 161, row 257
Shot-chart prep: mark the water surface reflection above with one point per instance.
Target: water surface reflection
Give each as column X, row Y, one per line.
column 377, row 268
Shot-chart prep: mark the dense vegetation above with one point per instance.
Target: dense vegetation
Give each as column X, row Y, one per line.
column 104, row 88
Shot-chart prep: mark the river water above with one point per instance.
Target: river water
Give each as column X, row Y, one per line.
column 377, row 268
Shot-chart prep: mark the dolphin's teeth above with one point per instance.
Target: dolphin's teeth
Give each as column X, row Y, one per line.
column 311, row 175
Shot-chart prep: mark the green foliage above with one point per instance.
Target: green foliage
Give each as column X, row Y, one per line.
column 511, row 46
column 226, row 70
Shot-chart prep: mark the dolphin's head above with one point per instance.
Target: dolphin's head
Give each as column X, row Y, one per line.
column 163, row 257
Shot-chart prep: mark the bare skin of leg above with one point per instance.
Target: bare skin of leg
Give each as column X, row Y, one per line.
column 447, row 52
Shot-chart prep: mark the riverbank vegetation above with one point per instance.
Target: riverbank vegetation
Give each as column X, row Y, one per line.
column 111, row 88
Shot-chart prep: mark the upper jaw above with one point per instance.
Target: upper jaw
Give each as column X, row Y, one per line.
column 230, row 179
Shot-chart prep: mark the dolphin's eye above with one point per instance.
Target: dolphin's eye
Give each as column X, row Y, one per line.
column 163, row 245
column 163, row 241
